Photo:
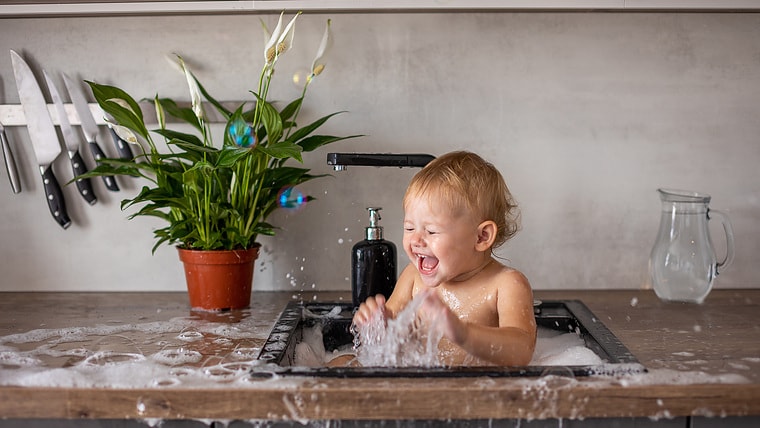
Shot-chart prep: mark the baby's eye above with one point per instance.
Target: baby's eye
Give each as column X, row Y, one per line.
column 431, row 232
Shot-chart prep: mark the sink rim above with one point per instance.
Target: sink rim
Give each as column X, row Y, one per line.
column 618, row 359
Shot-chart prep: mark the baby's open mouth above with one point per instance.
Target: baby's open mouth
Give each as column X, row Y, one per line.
column 426, row 264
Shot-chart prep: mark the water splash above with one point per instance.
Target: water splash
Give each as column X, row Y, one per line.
column 406, row 341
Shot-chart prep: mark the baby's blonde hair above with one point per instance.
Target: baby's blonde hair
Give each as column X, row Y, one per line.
column 464, row 180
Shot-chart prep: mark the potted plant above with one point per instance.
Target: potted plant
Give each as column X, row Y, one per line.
column 216, row 200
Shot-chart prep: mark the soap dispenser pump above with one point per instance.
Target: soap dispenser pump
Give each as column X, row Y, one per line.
column 373, row 263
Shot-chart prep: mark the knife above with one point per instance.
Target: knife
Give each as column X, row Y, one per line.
column 121, row 146
column 10, row 162
column 89, row 127
column 72, row 145
column 42, row 133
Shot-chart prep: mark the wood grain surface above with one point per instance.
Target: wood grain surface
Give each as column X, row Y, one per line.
column 702, row 360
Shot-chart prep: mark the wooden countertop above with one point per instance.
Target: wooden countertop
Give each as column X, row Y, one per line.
column 702, row 360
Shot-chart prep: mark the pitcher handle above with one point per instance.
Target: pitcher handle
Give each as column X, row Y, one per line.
column 724, row 220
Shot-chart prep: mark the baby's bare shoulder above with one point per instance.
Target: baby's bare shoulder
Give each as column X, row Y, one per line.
column 512, row 285
column 508, row 276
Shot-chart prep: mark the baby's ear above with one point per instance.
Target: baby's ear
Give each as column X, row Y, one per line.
column 486, row 235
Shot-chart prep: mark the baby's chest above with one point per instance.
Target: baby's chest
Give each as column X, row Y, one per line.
column 476, row 307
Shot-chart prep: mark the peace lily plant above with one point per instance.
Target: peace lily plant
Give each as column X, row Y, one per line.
column 218, row 198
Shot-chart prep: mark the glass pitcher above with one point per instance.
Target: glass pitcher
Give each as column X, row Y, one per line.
column 683, row 264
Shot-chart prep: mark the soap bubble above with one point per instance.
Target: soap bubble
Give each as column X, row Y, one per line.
column 241, row 133
column 291, row 198
column 557, row 376
column 163, row 381
column 190, row 336
column 245, row 353
column 111, row 358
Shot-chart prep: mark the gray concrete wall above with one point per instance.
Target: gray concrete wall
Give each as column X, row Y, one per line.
column 585, row 114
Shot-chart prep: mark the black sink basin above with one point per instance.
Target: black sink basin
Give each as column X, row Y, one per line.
column 335, row 321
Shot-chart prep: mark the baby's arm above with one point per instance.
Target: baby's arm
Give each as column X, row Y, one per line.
column 510, row 344
column 401, row 296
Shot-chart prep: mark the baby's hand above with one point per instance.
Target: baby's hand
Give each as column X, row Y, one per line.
column 437, row 312
column 368, row 310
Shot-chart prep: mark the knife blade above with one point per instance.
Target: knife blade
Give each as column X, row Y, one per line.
column 10, row 161
column 89, row 127
column 72, row 144
column 42, row 134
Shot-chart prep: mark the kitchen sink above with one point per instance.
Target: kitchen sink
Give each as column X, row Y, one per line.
column 334, row 320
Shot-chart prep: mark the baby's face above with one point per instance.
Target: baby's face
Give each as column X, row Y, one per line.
column 439, row 242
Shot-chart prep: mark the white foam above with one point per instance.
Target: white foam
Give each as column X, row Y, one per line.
column 677, row 377
column 566, row 349
column 163, row 354
column 16, row 359
column 176, row 357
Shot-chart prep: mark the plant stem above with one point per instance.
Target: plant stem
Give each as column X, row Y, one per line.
column 298, row 109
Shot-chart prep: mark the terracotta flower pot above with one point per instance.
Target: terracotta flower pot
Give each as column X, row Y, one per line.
column 219, row 280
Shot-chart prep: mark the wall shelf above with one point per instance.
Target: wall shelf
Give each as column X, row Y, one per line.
column 13, row 114
column 36, row 8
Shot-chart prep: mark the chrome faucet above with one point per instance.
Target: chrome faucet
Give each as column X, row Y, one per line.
column 340, row 161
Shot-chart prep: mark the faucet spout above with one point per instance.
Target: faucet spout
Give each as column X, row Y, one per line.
column 342, row 160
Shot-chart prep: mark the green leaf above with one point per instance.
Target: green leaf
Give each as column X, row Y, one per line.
column 272, row 123
column 306, row 130
column 219, row 107
column 185, row 114
column 126, row 113
column 192, row 147
column 265, row 229
column 106, row 92
column 290, row 109
column 313, row 142
column 174, row 135
column 231, row 155
column 283, row 150
column 108, row 167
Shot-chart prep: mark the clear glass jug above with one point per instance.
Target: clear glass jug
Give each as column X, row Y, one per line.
column 683, row 264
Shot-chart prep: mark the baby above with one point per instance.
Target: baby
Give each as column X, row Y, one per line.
column 456, row 211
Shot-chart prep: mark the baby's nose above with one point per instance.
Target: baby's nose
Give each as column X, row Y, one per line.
column 417, row 240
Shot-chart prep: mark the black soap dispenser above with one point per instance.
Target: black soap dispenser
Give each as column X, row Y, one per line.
column 373, row 263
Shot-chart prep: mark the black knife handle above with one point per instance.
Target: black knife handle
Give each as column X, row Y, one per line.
column 83, row 184
column 121, row 146
column 98, row 154
column 54, row 197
